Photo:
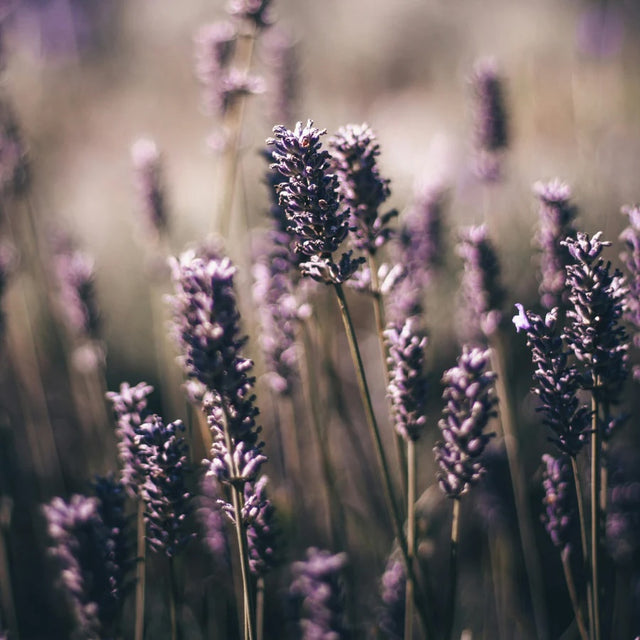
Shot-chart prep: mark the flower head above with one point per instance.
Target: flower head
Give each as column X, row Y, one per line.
column 258, row 514
column 393, row 590
column 631, row 259
column 558, row 514
column 147, row 165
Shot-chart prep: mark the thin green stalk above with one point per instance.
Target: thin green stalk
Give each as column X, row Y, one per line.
column 523, row 513
column 596, row 446
column 260, row 609
column 140, row 572
column 453, row 571
column 382, row 460
column 575, row 603
column 241, row 536
column 378, row 308
column 173, row 600
column 411, row 535
column 6, row 591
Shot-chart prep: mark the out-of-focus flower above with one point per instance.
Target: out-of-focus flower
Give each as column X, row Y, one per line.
column 256, row 11
column 311, row 202
column 469, row 397
column 631, row 259
column 597, row 297
column 600, row 31
column 318, row 586
column 8, row 258
column 282, row 87
column 15, row 171
column 210, row 514
column 558, row 513
column 556, row 216
column 147, row 165
column 480, row 315
column 623, row 512
column 557, row 381
column 407, row 381
column 258, row 514
column 354, row 151
column 393, row 590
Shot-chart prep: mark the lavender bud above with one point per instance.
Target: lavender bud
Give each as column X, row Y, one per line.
column 162, row 454
column 469, row 405
column 311, row 202
column 256, row 11
column 557, row 382
column 558, row 514
column 407, row 382
column 481, row 290
column 393, row 590
column 556, row 216
column 258, row 514
column 318, row 586
column 597, row 299
column 147, row 164
column 631, row 259
column 354, row 151
column 130, row 409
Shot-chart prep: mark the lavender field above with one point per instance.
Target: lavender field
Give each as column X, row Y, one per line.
column 319, row 320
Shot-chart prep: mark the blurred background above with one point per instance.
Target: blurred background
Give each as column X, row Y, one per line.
column 86, row 78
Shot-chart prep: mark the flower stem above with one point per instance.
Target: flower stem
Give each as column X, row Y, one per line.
column 140, row 572
column 571, row 587
column 382, row 460
column 260, row 609
column 173, row 598
column 453, row 570
column 596, row 446
column 411, row 535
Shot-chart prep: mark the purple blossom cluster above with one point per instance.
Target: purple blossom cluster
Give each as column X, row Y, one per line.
column 407, row 381
column 556, row 215
column 597, row 297
column 354, row 152
column 557, row 381
column 558, row 514
column 310, row 199
column 469, row 397
column 258, row 515
column 210, row 515
column 631, row 259
column 87, row 556
column 481, row 290
column 393, row 589
column 318, row 586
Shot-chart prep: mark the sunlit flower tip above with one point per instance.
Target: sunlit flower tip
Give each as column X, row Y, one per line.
column 520, row 320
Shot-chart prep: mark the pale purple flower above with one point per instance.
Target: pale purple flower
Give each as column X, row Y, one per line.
column 209, row 512
column 256, row 11
column 318, row 587
column 147, row 165
column 631, row 259
column 15, row 172
column 393, row 589
column 258, row 515
column 558, row 513
column 470, row 401
column 280, row 54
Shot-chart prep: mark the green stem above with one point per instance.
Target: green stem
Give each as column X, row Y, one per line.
column 571, row 587
column 173, row 600
column 411, row 535
column 382, row 460
column 241, row 534
column 453, row 571
column 140, row 572
column 596, row 447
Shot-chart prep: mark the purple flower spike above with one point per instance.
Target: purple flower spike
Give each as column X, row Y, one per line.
column 147, row 164
column 557, row 518
column 393, row 594
column 557, row 382
column 258, row 514
column 212, row 520
column 481, row 290
column 407, row 382
column 163, row 461
column 318, row 586
column 15, row 171
column 354, row 151
column 470, row 400
column 311, row 202
column 631, row 259
column 556, row 217
column 598, row 298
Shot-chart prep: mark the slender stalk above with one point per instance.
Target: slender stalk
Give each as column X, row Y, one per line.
column 523, row 513
column 453, row 571
column 571, row 587
column 382, row 460
column 140, row 573
column 260, row 609
column 232, row 125
column 411, row 535
column 173, row 600
column 241, row 536
column 378, row 308
column 596, row 447
column 6, row 593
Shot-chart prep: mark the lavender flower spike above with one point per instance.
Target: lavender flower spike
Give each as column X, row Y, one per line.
column 407, row 382
column 558, row 509
column 147, row 164
column 393, row 593
column 470, row 399
column 311, row 202
column 317, row 584
column 258, row 514
column 631, row 259
column 354, row 151
column 556, row 215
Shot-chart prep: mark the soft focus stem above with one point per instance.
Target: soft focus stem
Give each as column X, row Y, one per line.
column 382, row 460
column 140, row 572
column 596, row 447
column 453, row 571
column 571, row 587
column 260, row 609
column 411, row 535
column 173, row 599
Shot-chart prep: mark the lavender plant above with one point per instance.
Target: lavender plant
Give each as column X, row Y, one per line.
column 630, row 236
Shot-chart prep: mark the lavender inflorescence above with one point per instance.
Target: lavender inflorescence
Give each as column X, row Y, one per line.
column 631, row 259
column 318, row 587
column 393, row 590
column 597, row 297
column 354, row 152
column 258, row 514
column 407, row 381
column 162, row 454
column 470, row 401
column 147, row 164
column 482, row 292
column 311, row 202
column 556, row 215
column 557, row 381
column 558, row 513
